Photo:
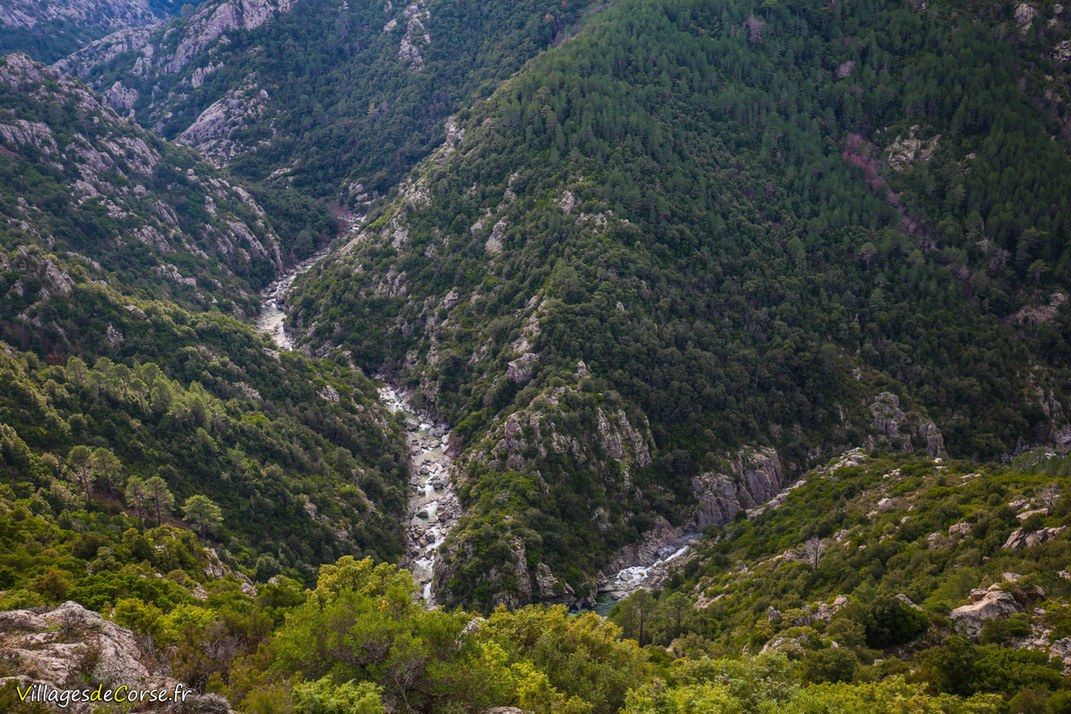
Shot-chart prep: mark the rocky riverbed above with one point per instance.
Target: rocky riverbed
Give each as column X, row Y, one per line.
column 752, row 480
column 272, row 318
column 648, row 575
column 433, row 503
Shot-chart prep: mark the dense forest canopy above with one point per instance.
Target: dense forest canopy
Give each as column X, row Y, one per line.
column 125, row 263
column 707, row 206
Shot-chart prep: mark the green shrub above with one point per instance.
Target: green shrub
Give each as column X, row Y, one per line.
column 889, row 621
column 833, row 664
column 1002, row 631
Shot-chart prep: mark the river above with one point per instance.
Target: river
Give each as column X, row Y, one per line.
column 272, row 318
column 433, row 504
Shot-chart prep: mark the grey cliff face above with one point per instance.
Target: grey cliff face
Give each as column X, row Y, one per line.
column 214, row 132
column 900, row 430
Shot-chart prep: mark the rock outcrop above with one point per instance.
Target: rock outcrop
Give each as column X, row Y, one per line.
column 1024, row 16
column 753, row 477
column 1021, row 538
column 905, row 151
column 907, row 432
column 560, row 433
column 70, row 647
column 414, row 19
column 215, row 131
column 994, row 602
column 211, row 21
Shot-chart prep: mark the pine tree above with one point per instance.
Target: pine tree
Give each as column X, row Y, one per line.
column 137, row 496
column 202, row 513
column 160, row 497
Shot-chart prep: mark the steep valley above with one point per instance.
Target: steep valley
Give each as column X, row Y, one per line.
column 655, row 356
column 433, row 508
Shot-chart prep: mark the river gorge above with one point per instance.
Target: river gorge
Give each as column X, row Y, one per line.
column 433, row 503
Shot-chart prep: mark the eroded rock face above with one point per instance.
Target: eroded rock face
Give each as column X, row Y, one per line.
column 112, row 14
column 214, row 132
column 908, row 432
column 544, row 441
column 550, row 589
column 121, row 98
column 70, row 647
column 168, row 50
column 753, row 477
column 510, row 581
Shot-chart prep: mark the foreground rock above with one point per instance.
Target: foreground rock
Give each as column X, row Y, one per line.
column 70, row 647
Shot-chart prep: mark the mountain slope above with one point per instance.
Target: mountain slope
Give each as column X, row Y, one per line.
column 125, row 262
column 932, row 563
column 674, row 241
column 160, row 220
column 337, row 99
column 49, row 30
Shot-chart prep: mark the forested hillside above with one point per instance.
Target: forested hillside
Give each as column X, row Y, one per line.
column 744, row 323
column 701, row 229
column 958, row 571
column 129, row 385
column 338, row 99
